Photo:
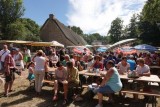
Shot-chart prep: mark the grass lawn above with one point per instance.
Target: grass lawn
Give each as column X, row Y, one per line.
column 24, row 96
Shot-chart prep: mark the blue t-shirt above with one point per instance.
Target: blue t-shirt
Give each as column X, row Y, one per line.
column 132, row 64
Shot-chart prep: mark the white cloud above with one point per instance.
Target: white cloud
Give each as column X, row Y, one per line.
column 95, row 16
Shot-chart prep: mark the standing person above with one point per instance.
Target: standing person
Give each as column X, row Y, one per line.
column 62, row 54
column 9, row 66
column 18, row 58
column 53, row 59
column 40, row 63
column 27, row 55
column 30, row 68
column 3, row 53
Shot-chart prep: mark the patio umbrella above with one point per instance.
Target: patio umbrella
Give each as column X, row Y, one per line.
column 80, row 49
column 146, row 47
column 102, row 49
column 126, row 50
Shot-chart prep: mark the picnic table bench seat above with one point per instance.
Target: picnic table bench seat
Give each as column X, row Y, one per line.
column 44, row 81
column 152, row 95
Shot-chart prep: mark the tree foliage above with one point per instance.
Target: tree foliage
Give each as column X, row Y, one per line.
column 133, row 27
column 115, row 31
column 148, row 20
column 77, row 30
column 151, row 11
column 11, row 10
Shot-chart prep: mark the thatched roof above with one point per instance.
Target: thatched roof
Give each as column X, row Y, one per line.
column 53, row 29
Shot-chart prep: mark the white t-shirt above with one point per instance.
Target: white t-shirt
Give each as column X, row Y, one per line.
column 143, row 69
column 54, row 58
column 3, row 55
column 123, row 68
column 28, row 53
column 39, row 63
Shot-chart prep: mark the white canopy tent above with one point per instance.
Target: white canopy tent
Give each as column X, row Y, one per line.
column 120, row 43
column 55, row 43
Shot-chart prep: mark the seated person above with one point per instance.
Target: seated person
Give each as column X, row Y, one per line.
column 132, row 62
column 61, row 75
column 110, row 84
column 97, row 63
column 142, row 68
column 90, row 61
column 80, row 65
column 148, row 59
column 73, row 79
column 123, row 66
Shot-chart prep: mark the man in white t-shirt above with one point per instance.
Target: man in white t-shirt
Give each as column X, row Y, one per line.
column 123, row 66
column 3, row 53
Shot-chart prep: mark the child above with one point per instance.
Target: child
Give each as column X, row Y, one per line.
column 31, row 71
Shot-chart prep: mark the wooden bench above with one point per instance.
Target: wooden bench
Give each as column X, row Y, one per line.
column 48, row 81
column 44, row 81
column 153, row 95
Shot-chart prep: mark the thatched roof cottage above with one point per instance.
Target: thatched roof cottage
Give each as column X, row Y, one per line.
column 53, row 29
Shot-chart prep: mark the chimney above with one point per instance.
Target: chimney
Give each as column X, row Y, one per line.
column 51, row 16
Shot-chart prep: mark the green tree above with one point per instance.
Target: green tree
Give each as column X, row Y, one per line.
column 31, row 29
column 115, row 31
column 151, row 11
column 133, row 27
column 23, row 29
column 147, row 25
column 16, row 31
column 77, row 30
column 10, row 11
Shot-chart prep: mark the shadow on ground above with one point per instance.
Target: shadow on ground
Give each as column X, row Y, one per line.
column 28, row 94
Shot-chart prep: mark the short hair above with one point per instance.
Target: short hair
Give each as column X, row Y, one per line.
column 124, row 57
column 97, row 56
column 67, row 56
column 110, row 62
column 140, row 60
column 39, row 53
column 69, row 64
column 30, row 64
column 59, row 64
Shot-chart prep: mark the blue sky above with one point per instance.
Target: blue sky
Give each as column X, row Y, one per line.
column 92, row 16
column 39, row 10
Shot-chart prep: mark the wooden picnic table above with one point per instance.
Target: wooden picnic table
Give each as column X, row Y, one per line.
column 151, row 78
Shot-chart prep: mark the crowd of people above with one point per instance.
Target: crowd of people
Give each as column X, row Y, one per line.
column 67, row 65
